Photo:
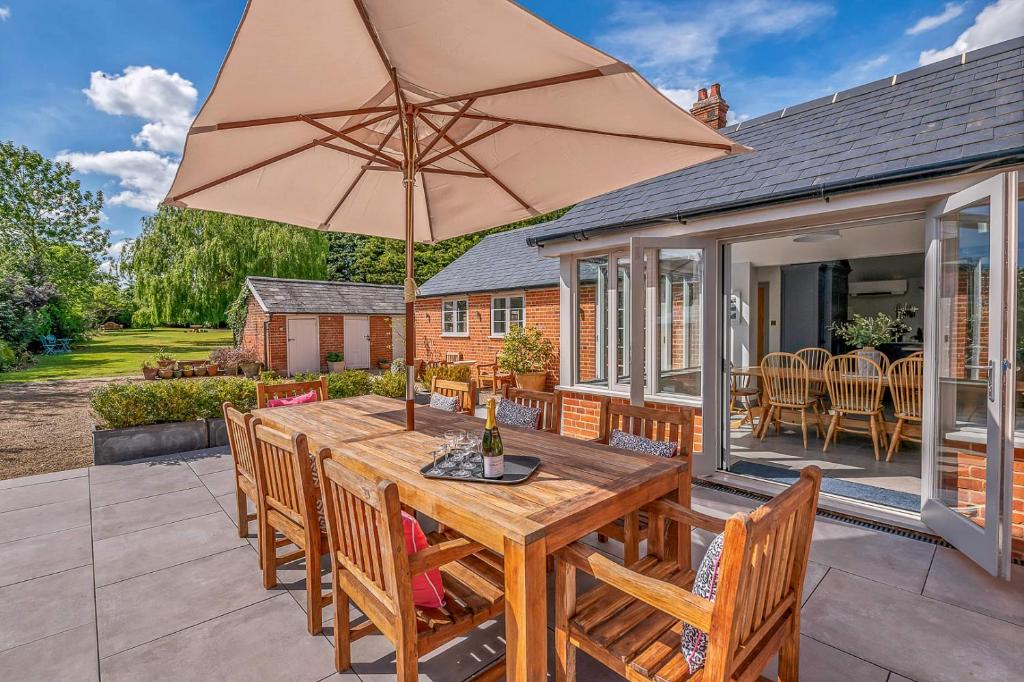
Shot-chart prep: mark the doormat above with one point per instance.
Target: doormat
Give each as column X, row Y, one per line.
column 834, row 486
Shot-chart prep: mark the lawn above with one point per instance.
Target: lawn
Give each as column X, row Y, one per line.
column 121, row 353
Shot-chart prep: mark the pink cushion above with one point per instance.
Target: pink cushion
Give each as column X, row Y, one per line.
column 427, row 589
column 296, row 400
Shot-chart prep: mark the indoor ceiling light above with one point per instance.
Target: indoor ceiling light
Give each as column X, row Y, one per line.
column 823, row 236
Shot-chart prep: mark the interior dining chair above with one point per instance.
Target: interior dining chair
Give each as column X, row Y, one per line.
column 240, row 444
column 266, row 392
column 660, row 425
column 906, row 386
column 289, row 504
column 549, row 404
column 370, row 565
column 787, row 383
column 816, row 358
column 465, row 391
column 633, row 621
column 742, row 391
column 855, row 390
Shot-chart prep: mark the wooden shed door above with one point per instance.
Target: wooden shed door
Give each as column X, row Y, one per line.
column 303, row 345
column 357, row 342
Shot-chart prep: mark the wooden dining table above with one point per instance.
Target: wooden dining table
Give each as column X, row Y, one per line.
column 579, row 487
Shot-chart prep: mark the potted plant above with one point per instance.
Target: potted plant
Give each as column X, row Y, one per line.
column 176, row 371
column 148, row 371
column 165, row 372
column 248, row 362
column 225, row 359
column 383, row 363
column 211, row 369
column 187, row 369
column 526, row 353
column 867, row 333
column 335, row 362
column 164, row 359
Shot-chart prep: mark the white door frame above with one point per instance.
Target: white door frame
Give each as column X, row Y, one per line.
column 345, row 341
column 287, row 337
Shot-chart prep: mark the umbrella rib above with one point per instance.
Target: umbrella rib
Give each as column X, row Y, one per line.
column 295, row 118
column 575, row 129
column 458, row 147
column 610, row 70
column 342, row 136
column 359, row 177
column 483, row 170
column 435, row 171
column 446, row 127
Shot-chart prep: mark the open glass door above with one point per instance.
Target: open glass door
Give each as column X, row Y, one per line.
column 969, row 425
column 675, row 330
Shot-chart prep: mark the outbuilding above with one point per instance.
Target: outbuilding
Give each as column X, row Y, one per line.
column 292, row 324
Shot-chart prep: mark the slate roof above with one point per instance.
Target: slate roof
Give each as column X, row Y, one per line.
column 327, row 298
column 932, row 120
column 500, row 261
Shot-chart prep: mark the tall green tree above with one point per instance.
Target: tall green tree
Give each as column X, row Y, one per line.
column 358, row 258
column 187, row 265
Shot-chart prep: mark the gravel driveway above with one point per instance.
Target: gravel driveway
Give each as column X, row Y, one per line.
column 45, row 426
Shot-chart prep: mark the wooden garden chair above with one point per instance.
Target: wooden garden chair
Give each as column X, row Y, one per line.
column 550, row 405
column 855, row 390
column 669, row 426
column 242, row 454
column 906, row 386
column 465, row 391
column 289, row 504
column 370, row 566
column 266, row 392
column 632, row 622
column 489, row 374
column 786, row 381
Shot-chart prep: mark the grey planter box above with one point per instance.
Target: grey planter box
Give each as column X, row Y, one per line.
column 217, row 432
column 119, row 445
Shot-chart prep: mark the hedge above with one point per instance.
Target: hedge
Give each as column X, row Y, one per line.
column 122, row 404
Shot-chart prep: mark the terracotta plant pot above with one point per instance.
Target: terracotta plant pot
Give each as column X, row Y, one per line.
column 150, row 372
column 187, row 371
column 531, row 381
column 211, row 370
column 164, row 363
column 165, row 372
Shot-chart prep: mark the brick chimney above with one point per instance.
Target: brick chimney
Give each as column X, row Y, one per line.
column 710, row 109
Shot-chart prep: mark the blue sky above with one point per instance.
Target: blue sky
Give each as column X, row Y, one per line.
column 111, row 85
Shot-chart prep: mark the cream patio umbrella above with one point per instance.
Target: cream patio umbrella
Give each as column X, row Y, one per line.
column 422, row 120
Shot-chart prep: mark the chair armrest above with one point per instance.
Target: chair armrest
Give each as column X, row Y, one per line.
column 689, row 517
column 442, row 553
column 664, row 596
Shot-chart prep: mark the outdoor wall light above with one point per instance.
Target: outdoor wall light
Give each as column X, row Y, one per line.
column 823, row 236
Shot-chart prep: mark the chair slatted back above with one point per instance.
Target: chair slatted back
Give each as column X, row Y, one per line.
column 764, row 559
column 906, row 385
column 549, row 404
column 240, row 441
column 465, row 391
column 284, row 472
column 452, row 356
column 816, row 358
column 265, row 392
column 785, row 377
column 364, row 529
column 671, row 426
column 854, row 384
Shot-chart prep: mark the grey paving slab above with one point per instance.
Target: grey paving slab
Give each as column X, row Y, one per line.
column 885, row 557
column 230, row 507
column 292, row 577
column 148, row 512
column 45, row 606
column 957, row 580
column 69, row 656
column 823, row 663
column 265, row 641
column 143, row 484
column 45, row 554
column 22, row 481
column 910, row 634
column 815, row 572
column 893, row 677
column 108, row 473
column 25, row 497
column 211, row 461
column 141, row 609
column 131, row 554
column 220, row 482
column 26, row 523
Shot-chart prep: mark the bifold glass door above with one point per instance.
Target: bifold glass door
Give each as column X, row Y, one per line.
column 971, row 370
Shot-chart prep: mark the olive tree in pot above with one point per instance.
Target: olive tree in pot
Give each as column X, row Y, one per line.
column 866, row 333
column 248, row 362
column 526, row 353
column 335, row 362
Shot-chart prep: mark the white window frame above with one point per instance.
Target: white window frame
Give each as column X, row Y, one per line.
column 455, row 319
column 508, row 309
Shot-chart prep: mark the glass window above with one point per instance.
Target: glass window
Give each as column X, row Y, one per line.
column 622, row 320
column 506, row 310
column 679, row 322
column 454, row 317
column 592, row 321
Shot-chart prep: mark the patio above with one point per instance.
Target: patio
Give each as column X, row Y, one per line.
column 136, row 572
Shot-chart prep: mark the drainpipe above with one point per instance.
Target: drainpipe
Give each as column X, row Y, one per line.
column 266, row 343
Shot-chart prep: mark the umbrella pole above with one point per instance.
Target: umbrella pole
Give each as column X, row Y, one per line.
column 410, row 271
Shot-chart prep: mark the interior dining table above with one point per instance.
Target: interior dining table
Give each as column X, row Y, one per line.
column 579, row 487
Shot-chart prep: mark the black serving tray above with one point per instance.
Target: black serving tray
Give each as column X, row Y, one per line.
column 518, row 468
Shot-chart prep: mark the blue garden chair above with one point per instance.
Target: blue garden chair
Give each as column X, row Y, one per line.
column 63, row 345
column 49, row 344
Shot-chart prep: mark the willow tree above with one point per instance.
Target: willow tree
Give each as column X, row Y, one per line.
column 187, row 266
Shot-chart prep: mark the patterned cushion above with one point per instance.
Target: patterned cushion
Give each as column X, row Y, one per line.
column 446, row 403
column 319, row 500
column 631, row 441
column 694, row 643
column 513, row 414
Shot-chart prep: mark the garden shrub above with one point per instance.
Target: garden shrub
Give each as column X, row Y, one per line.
column 448, row 373
column 389, row 384
column 8, row 358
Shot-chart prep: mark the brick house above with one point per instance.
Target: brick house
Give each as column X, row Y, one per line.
column 293, row 324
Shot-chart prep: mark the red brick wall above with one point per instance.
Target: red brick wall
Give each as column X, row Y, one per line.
column 380, row 339
column 581, row 416
column 332, row 336
column 541, row 308
column 253, row 337
column 278, row 344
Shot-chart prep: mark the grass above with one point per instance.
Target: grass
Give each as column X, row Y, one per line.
column 121, row 353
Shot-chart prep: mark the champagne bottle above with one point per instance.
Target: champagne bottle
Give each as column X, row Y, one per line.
column 494, row 454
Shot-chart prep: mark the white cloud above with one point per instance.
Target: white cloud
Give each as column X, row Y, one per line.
column 165, row 100
column 143, row 176
column 999, row 21
column 5, row 13
column 113, row 256
column 951, row 12
column 684, row 97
